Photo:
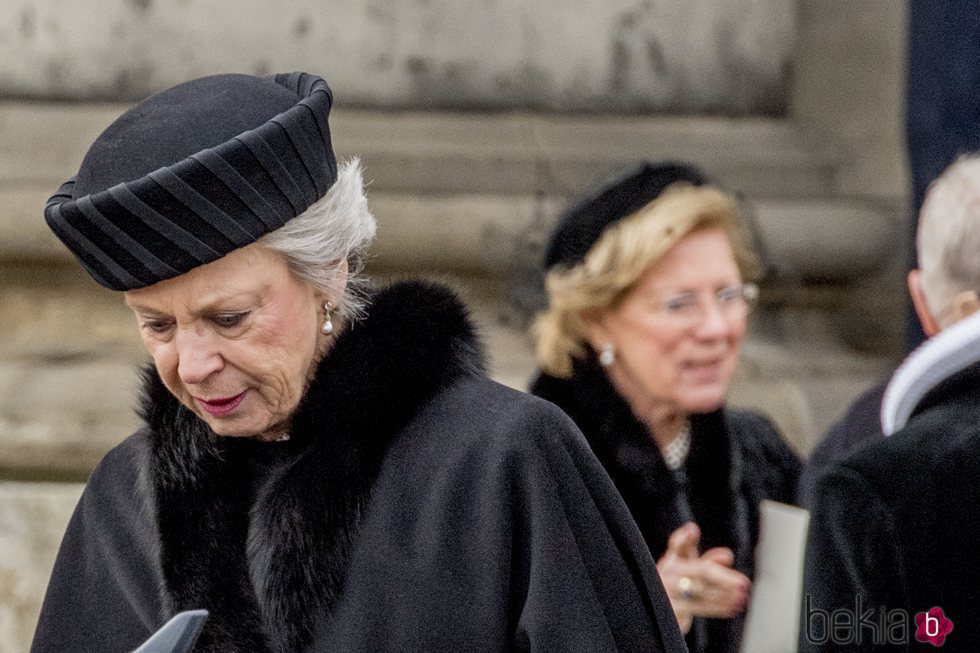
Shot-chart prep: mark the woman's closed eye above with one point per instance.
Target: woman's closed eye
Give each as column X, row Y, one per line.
column 729, row 295
column 156, row 326
column 681, row 304
column 229, row 320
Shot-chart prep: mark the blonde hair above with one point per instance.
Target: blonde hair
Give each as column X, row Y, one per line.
column 618, row 260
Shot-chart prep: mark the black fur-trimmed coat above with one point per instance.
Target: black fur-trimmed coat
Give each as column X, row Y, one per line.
column 418, row 506
column 736, row 460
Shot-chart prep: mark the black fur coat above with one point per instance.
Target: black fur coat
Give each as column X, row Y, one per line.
column 418, row 506
column 736, row 460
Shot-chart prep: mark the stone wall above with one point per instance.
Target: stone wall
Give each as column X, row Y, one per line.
column 849, row 85
column 728, row 56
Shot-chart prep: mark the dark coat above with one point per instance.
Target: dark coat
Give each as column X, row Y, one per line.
column 897, row 526
column 736, row 460
column 418, row 506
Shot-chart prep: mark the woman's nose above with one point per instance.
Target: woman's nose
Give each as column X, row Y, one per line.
column 714, row 323
column 198, row 357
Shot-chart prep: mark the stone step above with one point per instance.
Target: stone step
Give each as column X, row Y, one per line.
column 809, row 239
column 58, row 420
column 472, row 152
column 803, row 240
column 562, row 155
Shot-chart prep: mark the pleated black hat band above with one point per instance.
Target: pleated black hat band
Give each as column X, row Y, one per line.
column 131, row 233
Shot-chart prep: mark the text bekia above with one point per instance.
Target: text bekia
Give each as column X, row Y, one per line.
column 871, row 625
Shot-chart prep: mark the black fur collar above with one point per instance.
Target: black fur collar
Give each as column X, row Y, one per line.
column 633, row 460
column 260, row 534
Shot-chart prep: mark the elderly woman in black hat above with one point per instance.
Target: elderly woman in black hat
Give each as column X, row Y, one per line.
column 322, row 467
column 648, row 298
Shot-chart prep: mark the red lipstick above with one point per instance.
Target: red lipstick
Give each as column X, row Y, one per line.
column 220, row 406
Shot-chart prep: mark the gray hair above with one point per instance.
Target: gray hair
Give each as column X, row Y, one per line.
column 949, row 234
column 336, row 228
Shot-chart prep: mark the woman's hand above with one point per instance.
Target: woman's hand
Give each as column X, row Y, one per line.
column 701, row 585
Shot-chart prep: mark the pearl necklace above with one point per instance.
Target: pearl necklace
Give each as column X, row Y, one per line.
column 675, row 453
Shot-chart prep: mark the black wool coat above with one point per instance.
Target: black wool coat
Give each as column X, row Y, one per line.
column 736, row 460
column 896, row 526
column 418, row 506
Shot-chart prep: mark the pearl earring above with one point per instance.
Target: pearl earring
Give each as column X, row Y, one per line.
column 327, row 327
column 608, row 355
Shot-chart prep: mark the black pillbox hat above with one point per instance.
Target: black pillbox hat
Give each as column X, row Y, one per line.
column 194, row 172
column 581, row 224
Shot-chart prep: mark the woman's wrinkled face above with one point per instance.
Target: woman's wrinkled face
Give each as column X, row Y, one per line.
column 235, row 340
column 677, row 333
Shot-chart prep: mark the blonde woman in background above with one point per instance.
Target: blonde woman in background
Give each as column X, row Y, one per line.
column 648, row 302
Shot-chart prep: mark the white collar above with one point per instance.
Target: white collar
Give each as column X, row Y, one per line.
column 938, row 358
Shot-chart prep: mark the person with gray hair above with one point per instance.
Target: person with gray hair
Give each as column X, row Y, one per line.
column 892, row 553
column 323, row 465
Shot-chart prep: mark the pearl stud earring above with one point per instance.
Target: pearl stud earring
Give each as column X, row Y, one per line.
column 608, row 355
